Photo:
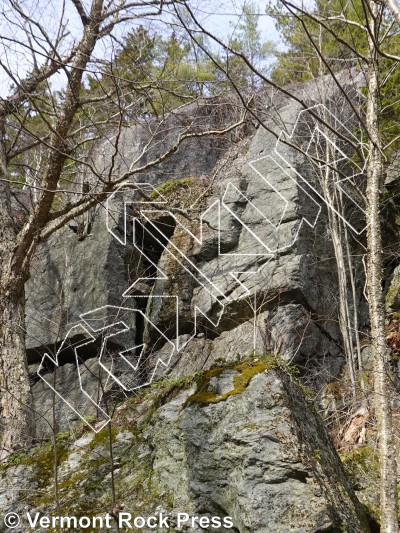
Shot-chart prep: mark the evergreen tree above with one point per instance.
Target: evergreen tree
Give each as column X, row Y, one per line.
column 127, row 78
column 247, row 40
column 340, row 44
column 153, row 74
column 299, row 61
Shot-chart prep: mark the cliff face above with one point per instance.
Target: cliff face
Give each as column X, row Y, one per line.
column 240, row 441
column 249, row 269
column 216, row 305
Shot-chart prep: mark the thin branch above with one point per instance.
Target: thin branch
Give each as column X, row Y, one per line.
column 271, row 83
column 393, row 7
column 332, row 74
column 71, row 211
column 81, row 11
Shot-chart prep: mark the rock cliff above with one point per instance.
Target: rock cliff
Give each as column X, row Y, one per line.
column 222, row 426
column 240, row 441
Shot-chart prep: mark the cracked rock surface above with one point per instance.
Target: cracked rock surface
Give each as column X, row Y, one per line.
column 240, row 442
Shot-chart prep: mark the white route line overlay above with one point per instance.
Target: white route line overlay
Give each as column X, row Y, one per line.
column 215, row 293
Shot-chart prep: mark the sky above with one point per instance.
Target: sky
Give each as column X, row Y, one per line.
column 218, row 16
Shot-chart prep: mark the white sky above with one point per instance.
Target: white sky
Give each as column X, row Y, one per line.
column 219, row 17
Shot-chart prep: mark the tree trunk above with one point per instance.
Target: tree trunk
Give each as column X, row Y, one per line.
column 16, row 401
column 375, row 181
column 17, row 250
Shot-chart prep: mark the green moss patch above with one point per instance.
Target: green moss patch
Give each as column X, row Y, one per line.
column 172, row 186
column 361, row 465
column 362, row 458
column 205, row 395
column 172, row 190
column 85, row 488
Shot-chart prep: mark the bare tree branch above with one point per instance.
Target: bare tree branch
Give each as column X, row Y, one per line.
column 393, row 7
column 81, row 11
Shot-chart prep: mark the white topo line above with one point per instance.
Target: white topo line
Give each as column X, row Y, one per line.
column 209, row 285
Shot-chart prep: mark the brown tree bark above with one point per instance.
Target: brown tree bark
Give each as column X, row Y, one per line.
column 18, row 247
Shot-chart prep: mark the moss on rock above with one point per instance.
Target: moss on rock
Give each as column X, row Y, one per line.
column 171, row 186
column 205, row 394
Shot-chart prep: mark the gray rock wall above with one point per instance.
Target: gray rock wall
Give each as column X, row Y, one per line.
column 249, row 448
column 272, row 231
column 240, row 442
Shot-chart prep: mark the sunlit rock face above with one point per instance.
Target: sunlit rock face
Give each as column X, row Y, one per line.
column 240, row 442
column 249, row 269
